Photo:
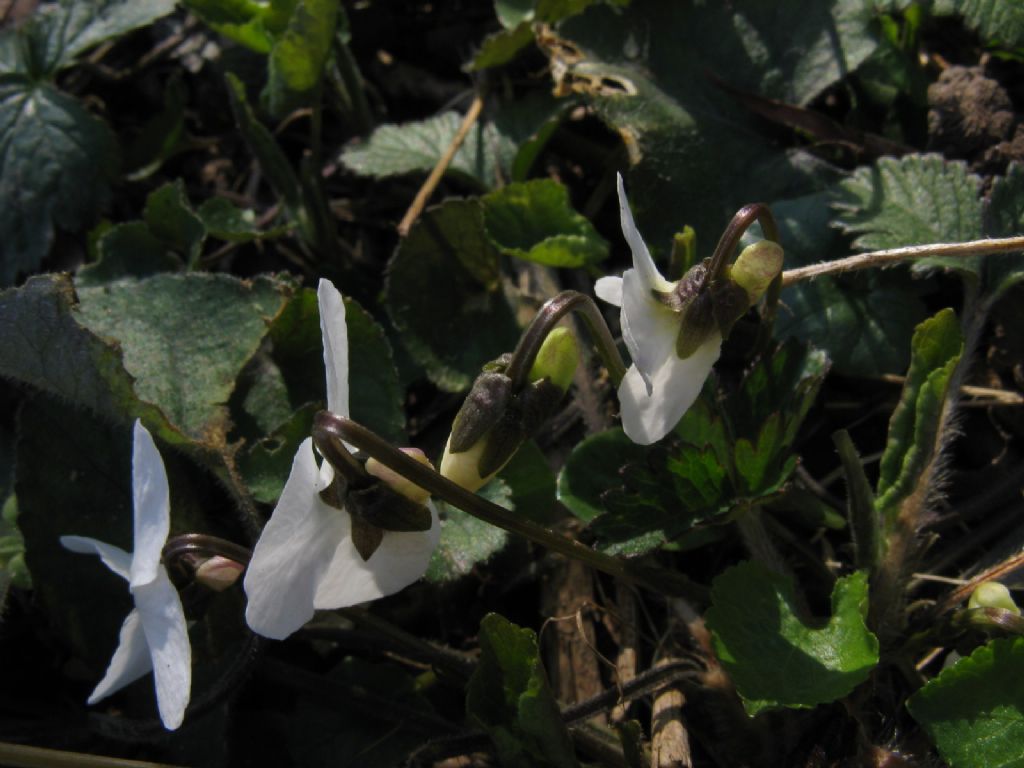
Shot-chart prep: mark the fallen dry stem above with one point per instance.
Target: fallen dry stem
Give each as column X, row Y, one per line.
column 909, row 253
column 420, row 201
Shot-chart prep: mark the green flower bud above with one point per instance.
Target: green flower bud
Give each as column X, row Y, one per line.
column 556, row 359
column 992, row 594
column 493, row 421
column 756, row 267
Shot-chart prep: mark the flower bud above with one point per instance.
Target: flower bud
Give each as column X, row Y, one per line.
column 494, row 421
column 399, row 483
column 556, row 359
column 992, row 594
column 756, row 267
column 218, row 573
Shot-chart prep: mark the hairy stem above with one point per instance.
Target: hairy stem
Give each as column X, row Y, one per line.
column 896, row 255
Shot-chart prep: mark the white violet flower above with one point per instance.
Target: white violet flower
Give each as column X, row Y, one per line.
column 305, row 558
column 659, row 386
column 154, row 636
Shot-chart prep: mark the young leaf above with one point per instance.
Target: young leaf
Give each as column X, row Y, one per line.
column 534, row 220
column 244, row 21
column 299, row 54
column 974, row 710
column 392, row 150
column 509, row 696
column 56, row 165
column 915, row 429
column 773, row 655
column 915, row 200
column 465, row 540
column 444, row 297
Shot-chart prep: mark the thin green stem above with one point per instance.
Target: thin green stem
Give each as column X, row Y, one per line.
column 656, row 579
column 547, row 317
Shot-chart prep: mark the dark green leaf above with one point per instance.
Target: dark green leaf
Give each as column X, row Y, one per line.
column 509, row 696
column 532, row 483
column 864, row 322
column 266, row 463
column 995, row 20
column 56, row 165
column 224, row 220
column 534, row 220
column 695, row 151
column 185, row 338
column 774, row 656
column 593, row 468
column 374, row 392
column 915, row 430
column 465, row 540
column 444, row 296
column 58, row 32
column 974, row 710
column 915, row 200
column 170, row 217
column 127, row 250
column 392, row 150
column 299, row 54
column 1005, row 219
column 501, row 47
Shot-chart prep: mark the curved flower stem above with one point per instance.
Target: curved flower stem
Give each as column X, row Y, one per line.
column 734, row 230
column 547, row 317
column 202, row 545
column 895, row 255
column 656, row 579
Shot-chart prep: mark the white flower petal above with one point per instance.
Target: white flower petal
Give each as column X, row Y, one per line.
column 401, row 559
column 649, row 328
column 152, row 506
column 163, row 621
column 131, row 659
column 293, row 552
column 647, row 418
column 609, row 289
column 335, row 335
column 642, row 261
column 115, row 558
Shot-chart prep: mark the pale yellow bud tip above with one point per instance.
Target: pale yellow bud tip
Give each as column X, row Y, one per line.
column 556, row 359
column 756, row 267
column 992, row 594
column 398, row 482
